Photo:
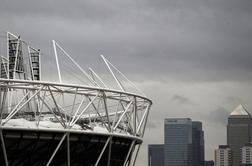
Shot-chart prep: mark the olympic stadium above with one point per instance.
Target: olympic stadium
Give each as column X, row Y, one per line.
column 54, row 123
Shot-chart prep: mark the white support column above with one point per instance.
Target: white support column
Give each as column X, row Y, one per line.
column 8, row 72
column 17, row 108
column 83, row 111
column 75, row 95
column 99, row 78
column 128, row 106
column 117, row 109
column 109, row 154
column 68, row 150
column 145, row 122
column 135, row 116
column 19, row 103
column 4, row 96
column 137, row 152
column 40, row 67
column 129, row 152
column 111, row 71
column 37, row 104
column 107, row 113
column 4, row 148
column 57, row 107
column 143, row 118
column 75, row 63
column 57, row 61
column 126, row 78
column 16, row 57
column 47, row 106
column 76, row 112
column 30, row 62
column 99, row 113
column 56, row 150
column 103, row 150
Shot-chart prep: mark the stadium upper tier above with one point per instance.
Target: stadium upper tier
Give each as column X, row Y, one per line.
column 58, row 123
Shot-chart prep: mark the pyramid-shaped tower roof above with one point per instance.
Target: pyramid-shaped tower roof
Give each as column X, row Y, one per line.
column 239, row 110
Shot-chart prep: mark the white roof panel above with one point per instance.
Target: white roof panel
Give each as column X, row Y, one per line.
column 240, row 110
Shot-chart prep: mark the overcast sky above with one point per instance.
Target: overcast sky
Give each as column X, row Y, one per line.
column 191, row 57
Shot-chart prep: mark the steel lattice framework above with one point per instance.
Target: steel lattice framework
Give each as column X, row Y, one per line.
column 29, row 104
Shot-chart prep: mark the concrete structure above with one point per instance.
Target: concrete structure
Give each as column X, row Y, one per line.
column 247, row 154
column 223, row 156
column 184, row 142
column 238, row 132
column 156, row 155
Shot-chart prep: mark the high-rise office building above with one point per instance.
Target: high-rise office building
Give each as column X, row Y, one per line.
column 223, row 156
column 184, row 142
column 178, row 142
column 247, row 155
column 156, row 155
column 198, row 149
column 238, row 132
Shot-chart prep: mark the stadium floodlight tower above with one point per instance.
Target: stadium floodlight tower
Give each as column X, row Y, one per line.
column 46, row 123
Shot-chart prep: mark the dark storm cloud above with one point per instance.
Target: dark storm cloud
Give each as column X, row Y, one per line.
column 207, row 40
column 177, row 51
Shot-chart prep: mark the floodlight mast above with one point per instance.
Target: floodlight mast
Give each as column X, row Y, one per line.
column 68, row 117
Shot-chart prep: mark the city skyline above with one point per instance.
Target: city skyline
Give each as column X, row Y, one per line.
column 193, row 58
column 183, row 144
column 187, row 137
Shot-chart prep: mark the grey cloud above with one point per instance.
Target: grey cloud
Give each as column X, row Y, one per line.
column 219, row 116
column 152, row 124
column 181, row 99
column 154, row 42
column 232, row 100
column 194, row 40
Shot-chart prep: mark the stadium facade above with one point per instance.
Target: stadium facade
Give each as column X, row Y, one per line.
column 46, row 123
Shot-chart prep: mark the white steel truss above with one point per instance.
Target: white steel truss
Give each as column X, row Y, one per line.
column 70, row 108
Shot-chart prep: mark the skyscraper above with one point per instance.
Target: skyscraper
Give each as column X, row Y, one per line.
column 198, row 155
column 178, row 142
column 156, row 155
column 238, row 132
column 184, row 142
column 223, row 156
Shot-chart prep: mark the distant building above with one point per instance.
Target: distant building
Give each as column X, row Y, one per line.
column 238, row 132
column 223, row 156
column 178, row 142
column 209, row 163
column 247, row 155
column 156, row 155
column 184, row 142
column 198, row 149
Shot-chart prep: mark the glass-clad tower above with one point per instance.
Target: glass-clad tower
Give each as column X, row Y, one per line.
column 178, row 142
column 198, row 148
column 238, row 132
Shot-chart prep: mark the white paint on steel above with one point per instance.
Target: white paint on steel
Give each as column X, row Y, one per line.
column 107, row 112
